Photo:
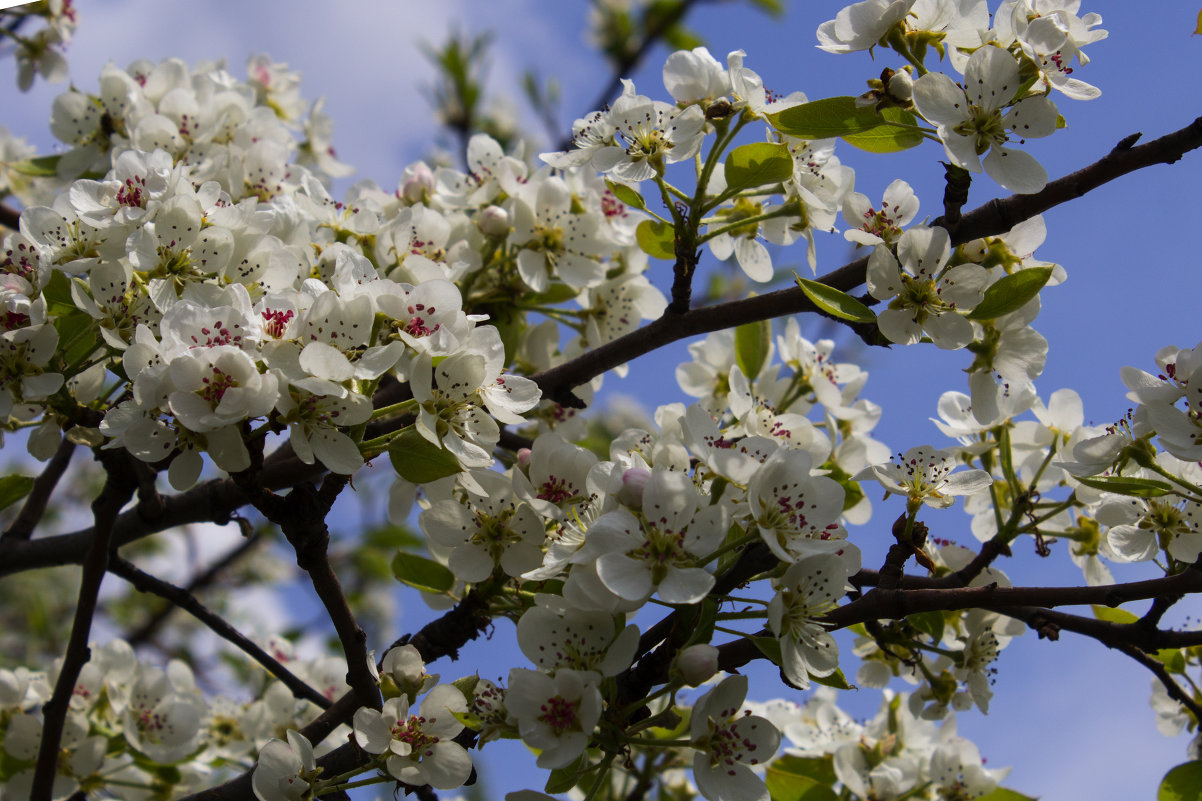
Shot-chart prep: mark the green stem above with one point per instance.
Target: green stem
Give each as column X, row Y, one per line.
column 396, row 408
column 782, row 211
column 730, row 546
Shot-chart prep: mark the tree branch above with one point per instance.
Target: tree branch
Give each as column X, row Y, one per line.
column 995, row 217
column 1170, row 684
column 144, row 582
column 119, row 486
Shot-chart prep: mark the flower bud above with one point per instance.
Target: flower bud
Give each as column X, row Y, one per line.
column 523, row 460
column 634, row 481
column 697, row 663
column 416, row 183
column 901, row 86
column 493, row 221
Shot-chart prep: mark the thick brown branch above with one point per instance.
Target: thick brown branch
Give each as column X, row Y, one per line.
column 993, row 218
column 118, row 488
column 144, row 582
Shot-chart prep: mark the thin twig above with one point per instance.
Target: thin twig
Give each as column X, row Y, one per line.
column 35, row 505
column 179, row 597
column 1174, row 689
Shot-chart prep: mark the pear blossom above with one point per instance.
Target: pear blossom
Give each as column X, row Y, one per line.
column 924, row 475
column 554, row 714
column 729, row 743
column 418, row 748
column 810, row 588
column 970, row 119
column 924, row 297
column 285, row 770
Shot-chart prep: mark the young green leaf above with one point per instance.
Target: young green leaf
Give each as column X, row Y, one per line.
column 422, row 573
column 1006, row 794
column 626, row 195
column 753, row 343
column 836, row 680
column 657, row 239
column 835, row 303
column 1011, row 293
column 785, row 786
column 38, row 167
column 417, row 459
column 1114, row 615
column 1182, row 783
column 820, row 769
column 13, row 489
column 826, row 119
column 901, row 133
column 758, row 164
column 1122, row 485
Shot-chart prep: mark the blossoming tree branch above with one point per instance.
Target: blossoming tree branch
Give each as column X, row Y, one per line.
column 184, row 299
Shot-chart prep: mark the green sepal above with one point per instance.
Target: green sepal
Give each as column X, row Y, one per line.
column 417, row 459
column 753, row 344
column 657, row 239
column 13, row 489
column 1011, row 293
column 422, row 573
column 1122, row 485
column 834, row 302
column 758, row 164
column 1182, row 783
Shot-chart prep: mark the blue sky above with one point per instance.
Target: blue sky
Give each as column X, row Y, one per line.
column 1130, row 249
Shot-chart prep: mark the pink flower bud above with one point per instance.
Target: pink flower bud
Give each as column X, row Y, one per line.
column 416, row 182
column 634, row 481
column 524, row 458
column 697, row 663
column 493, row 221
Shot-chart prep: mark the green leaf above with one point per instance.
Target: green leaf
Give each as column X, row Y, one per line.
column 820, row 769
column 58, row 295
column 900, row 134
column 1011, row 293
column 1006, row 794
column 827, row 118
column 1173, row 659
column 758, row 164
column 1122, row 485
column 930, row 623
column 1112, row 615
column 557, row 293
column 836, row 680
column 626, row 194
column 784, row 786
column 1182, row 783
column 773, row 7
column 769, row 647
column 563, row 779
column 13, row 489
column 835, row 303
column 753, row 343
column 77, row 347
column 39, row 167
column 1198, row 27
column 417, row 459
column 657, row 239
column 422, row 573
